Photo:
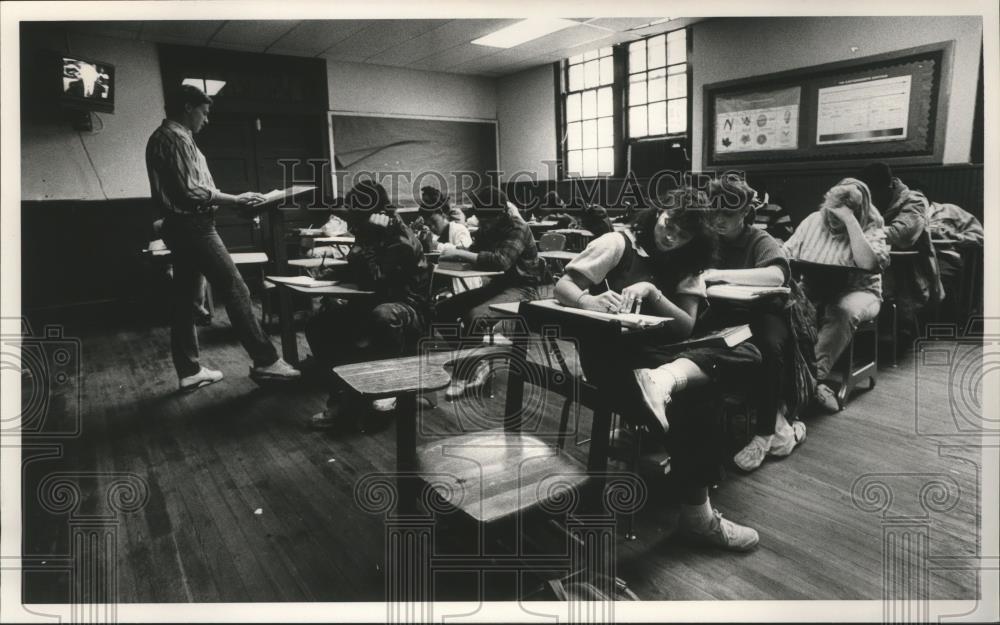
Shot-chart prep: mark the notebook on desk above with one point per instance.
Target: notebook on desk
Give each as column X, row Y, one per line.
column 726, row 337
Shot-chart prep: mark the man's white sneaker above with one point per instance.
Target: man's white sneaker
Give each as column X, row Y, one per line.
column 278, row 371
column 726, row 534
column 204, row 377
column 751, row 456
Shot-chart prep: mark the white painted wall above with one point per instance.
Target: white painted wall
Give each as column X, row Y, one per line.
column 360, row 88
column 730, row 48
column 54, row 165
column 526, row 110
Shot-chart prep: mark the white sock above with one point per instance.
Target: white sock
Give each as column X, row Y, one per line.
column 697, row 517
column 670, row 378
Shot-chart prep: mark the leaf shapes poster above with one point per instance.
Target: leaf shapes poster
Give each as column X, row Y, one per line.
column 756, row 122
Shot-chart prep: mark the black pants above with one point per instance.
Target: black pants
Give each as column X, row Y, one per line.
column 694, row 450
column 773, row 338
column 473, row 307
column 356, row 331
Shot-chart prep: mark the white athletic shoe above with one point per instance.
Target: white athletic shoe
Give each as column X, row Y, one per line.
column 278, row 371
column 204, row 377
column 726, row 534
column 654, row 395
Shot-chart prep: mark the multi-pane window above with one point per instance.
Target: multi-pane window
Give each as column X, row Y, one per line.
column 590, row 127
column 657, row 86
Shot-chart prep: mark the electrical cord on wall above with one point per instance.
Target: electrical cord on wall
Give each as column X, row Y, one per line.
column 79, row 133
column 92, row 166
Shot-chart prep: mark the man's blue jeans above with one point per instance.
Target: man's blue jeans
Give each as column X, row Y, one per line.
column 196, row 249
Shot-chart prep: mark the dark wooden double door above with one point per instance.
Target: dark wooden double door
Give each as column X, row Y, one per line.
column 243, row 151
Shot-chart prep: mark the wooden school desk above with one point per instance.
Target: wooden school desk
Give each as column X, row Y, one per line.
column 462, row 271
column 289, row 344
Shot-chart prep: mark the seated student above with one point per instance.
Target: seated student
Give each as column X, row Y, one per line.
column 387, row 259
column 595, row 219
column 656, row 265
column 912, row 283
column 845, row 231
column 447, row 235
column 500, row 244
column 750, row 256
column 773, row 218
column 553, row 208
column 962, row 231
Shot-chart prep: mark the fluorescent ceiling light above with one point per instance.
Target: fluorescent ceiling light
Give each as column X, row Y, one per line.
column 525, row 30
column 210, row 87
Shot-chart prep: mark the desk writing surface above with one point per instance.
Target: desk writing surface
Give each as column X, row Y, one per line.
column 741, row 293
column 248, row 258
column 341, row 290
column 312, row 263
column 903, row 252
column 559, row 254
column 573, row 231
column 343, row 239
column 542, row 224
column 807, row 264
column 631, row 321
column 462, row 270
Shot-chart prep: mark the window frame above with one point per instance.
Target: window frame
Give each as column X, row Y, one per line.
column 620, row 107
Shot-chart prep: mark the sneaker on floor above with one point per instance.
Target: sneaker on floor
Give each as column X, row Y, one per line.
column 750, row 457
column 204, row 377
column 785, row 440
column 654, row 395
column 455, row 390
column 386, row 404
column 278, row 371
column 826, row 399
column 726, row 534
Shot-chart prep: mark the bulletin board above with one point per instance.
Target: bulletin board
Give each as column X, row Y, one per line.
column 887, row 106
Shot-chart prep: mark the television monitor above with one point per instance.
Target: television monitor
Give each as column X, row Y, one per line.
column 87, row 84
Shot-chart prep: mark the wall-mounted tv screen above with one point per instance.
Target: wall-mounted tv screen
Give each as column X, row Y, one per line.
column 87, row 84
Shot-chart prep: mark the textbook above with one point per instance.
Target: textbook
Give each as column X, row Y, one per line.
column 742, row 293
column 305, row 281
column 628, row 320
column 726, row 337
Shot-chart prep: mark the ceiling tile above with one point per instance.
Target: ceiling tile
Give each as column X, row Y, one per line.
column 175, row 31
column 446, row 36
column 117, row 29
column 252, row 34
column 315, row 36
column 449, row 59
column 381, row 35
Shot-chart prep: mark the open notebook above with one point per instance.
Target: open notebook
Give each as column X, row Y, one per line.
column 628, row 320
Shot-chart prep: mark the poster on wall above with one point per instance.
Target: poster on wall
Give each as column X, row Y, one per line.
column 864, row 111
column 756, row 122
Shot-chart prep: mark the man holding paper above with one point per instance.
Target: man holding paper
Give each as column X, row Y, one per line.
column 183, row 189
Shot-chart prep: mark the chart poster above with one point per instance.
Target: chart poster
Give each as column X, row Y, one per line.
column 875, row 109
column 757, row 122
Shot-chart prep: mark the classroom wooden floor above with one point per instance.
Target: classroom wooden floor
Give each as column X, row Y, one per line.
column 247, row 504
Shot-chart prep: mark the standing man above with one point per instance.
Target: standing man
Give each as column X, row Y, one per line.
column 183, row 189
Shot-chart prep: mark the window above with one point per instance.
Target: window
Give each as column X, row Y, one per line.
column 657, row 86
column 589, row 114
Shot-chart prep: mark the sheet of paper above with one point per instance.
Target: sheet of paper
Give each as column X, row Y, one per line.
column 863, row 112
column 305, row 281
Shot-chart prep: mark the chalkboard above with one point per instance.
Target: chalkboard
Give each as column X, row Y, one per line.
column 889, row 106
column 405, row 153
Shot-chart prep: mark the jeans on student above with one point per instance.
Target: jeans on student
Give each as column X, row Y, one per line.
column 838, row 321
column 473, row 307
column 197, row 250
